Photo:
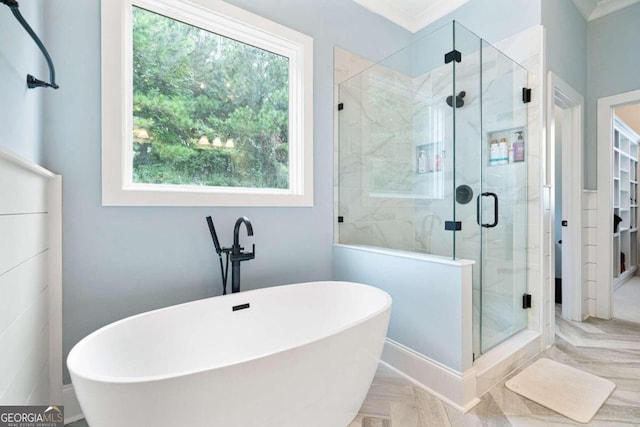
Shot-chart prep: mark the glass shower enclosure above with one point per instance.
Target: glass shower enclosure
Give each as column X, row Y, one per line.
column 432, row 160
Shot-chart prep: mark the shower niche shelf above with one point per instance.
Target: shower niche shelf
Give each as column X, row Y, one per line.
column 625, row 202
column 428, row 180
column 429, row 158
column 502, row 155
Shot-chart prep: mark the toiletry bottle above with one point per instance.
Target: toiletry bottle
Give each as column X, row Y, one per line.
column 503, row 150
column 518, row 148
column 422, row 162
column 493, row 153
column 511, row 154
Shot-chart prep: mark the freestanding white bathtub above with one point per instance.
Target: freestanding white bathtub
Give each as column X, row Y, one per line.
column 299, row 355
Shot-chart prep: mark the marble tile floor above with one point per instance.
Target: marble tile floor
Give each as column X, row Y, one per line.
column 608, row 348
column 626, row 301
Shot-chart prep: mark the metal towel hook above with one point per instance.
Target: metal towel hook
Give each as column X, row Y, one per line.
column 32, row 82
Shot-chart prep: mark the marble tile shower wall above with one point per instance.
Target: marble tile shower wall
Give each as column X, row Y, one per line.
column 433, row 125
column 384, row 200
column 375, row 157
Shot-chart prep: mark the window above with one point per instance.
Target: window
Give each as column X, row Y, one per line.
column 204, row 106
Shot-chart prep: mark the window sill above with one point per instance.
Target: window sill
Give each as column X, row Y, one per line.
column 178, row 195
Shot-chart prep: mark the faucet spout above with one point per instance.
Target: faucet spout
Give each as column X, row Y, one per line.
column 236, row 231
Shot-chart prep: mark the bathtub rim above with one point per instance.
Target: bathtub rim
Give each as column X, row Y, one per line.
column 184, row 373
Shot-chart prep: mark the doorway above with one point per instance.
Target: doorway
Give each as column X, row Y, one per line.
column 564, row 179
column 626, row 284
column 609, row 268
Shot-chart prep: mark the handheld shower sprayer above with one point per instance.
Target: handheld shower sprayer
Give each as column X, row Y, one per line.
column 219, row 250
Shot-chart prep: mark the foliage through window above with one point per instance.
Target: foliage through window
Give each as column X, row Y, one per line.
column 207, row 109
column 204, row 104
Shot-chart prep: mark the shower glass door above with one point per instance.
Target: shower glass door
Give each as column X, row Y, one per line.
column 490, row 176
column 503, row 201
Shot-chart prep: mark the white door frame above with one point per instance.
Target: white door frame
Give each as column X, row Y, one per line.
column 562, row 95
column 604, row 286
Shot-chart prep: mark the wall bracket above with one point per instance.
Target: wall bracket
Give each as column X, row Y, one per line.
column 453, row 225
column 32, row 82
column 454, row 55
column 526, row 301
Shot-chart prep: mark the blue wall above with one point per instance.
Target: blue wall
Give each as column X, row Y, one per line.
column 120, row 261
column 597, row 59
column 566, row 52
column 21, row 108
column 613, row 67
column 566, row 42
column 430, row 299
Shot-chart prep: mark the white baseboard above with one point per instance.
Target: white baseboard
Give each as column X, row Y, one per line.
column 495, row 365
column 455, row 388
column 72, row 410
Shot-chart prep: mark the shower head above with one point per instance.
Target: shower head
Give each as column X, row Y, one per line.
column 459, row 100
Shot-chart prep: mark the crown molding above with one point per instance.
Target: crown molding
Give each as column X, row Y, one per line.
column 594, row 9
column 585, row 7
column 606, row 7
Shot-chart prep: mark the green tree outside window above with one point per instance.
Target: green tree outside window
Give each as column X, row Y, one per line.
column 207, row 110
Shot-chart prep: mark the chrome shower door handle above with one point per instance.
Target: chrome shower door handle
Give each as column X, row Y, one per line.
column 495, row 209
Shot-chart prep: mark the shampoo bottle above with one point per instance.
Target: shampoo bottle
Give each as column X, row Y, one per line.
column 503, row 150
column 422, row 162
column 518, row 148
column 494, row 153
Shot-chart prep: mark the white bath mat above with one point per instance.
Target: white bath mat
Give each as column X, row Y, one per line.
column 569, row 391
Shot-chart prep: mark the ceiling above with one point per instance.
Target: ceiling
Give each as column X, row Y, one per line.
column 417, row 14
column 631, row 116
column 412, row 14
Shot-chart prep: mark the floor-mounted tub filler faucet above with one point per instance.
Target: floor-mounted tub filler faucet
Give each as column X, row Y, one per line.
column 235, row 253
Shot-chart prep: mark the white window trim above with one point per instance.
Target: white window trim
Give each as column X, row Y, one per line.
column 117, row 93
